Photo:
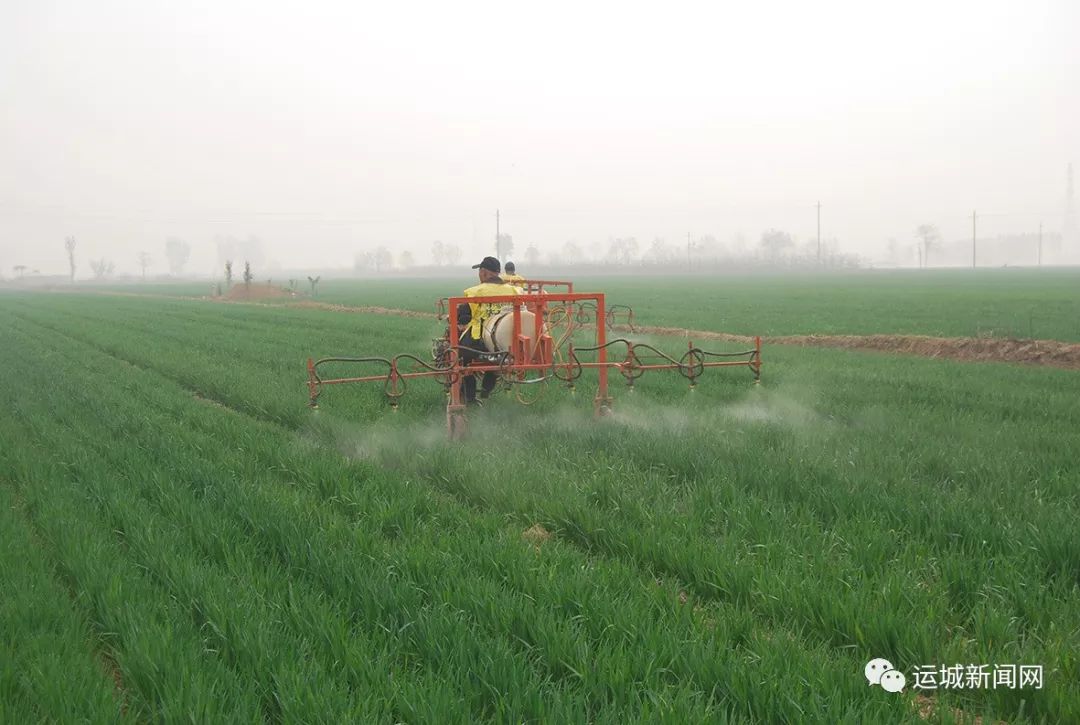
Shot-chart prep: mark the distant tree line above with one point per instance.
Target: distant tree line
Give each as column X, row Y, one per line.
column 775, row 248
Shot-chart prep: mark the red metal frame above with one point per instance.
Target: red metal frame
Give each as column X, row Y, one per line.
column 520, row 360
column 536, row 286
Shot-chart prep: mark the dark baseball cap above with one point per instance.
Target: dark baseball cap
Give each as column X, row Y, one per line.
column 489, row 263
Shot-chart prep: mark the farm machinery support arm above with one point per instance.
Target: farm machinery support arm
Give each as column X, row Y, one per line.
column 534, row 355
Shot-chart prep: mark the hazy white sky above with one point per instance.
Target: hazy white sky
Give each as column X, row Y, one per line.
column 329, row 128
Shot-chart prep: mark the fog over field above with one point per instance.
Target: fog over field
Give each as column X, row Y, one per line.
column 328, row 130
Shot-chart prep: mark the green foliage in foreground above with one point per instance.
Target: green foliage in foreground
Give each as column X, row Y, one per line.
column 174, row 514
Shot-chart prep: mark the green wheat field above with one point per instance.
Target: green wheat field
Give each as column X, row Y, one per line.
column 183, row 539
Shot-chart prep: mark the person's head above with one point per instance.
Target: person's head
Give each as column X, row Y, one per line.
column 510, row 268
column 489, row 269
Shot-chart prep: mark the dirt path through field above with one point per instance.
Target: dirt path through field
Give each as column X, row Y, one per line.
column 970, row 349
column 1050, row 353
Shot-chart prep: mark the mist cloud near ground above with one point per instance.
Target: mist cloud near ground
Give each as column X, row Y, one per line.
column 334, row 128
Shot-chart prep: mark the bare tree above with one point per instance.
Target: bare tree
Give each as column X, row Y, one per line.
column 144, row 262
column 69, row 245
column 571, row 252
column 314, row 282
column 707, row 248
column 453, row 254
column 929, row 238
column 101, row 268
column 19, row 269
column 228, row 274
column 532, row 255
column 623, row 250
column 363, row 262
column 177, row 251
column 406, row 260
column 660, row 251
column 774, row 242
column 438, row 253
column 892, row 250
column 248, row 276
column 383, row 258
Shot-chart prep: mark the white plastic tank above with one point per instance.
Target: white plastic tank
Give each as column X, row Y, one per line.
column 499, row 331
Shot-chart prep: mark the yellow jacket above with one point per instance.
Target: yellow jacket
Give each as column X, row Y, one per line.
column 481, row 311
column 514, row 279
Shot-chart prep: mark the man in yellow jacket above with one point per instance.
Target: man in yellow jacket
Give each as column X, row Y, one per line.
column 512, row 277
column 471, row 317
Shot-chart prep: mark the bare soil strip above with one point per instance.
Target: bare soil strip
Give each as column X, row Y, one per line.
column 1049, row 353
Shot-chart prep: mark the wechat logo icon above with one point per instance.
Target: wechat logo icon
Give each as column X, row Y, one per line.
column 881, row 672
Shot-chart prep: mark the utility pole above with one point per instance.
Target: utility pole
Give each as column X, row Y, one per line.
column 819, row 233
column 1040, row 243
column 973, row 240
column 498, row 237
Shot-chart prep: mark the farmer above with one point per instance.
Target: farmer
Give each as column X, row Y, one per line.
column 512, row 277
column 471, row 317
